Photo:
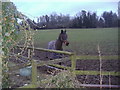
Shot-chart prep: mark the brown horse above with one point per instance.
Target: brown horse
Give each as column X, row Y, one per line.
column 57, row 44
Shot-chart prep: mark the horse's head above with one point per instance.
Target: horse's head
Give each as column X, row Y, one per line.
column 63, row 37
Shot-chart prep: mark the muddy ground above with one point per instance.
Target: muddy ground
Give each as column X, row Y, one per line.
column 107, row 65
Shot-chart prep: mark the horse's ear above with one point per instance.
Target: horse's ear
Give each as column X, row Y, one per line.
column 61, row 31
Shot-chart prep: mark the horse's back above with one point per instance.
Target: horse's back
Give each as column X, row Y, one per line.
column 51, row 44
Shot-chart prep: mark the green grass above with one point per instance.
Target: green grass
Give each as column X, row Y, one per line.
column 82, row 41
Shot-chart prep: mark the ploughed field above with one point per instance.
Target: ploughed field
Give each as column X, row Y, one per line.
column 82, row 42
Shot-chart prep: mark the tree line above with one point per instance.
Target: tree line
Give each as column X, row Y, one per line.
column 82, row 19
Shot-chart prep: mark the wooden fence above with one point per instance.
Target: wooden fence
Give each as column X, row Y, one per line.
column 72, row 57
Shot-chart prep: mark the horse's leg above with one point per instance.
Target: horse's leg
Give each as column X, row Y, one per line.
column 61, row 55
column 52, row 55
column 55, row 55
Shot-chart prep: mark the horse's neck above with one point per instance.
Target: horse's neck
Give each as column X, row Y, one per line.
column 58, row 45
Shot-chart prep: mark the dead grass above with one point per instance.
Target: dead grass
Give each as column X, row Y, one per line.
column 64, row 79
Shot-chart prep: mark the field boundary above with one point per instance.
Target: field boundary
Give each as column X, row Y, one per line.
column 73, row 59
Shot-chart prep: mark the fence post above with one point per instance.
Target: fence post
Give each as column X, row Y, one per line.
column 29, row 52
column 73, row 61
column 34, row 72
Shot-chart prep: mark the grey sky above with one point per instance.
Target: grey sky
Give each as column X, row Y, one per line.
column 36, row 8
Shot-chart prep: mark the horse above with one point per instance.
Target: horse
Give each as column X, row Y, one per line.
column 57, row 45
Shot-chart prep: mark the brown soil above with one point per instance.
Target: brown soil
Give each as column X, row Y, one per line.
column 107, row 65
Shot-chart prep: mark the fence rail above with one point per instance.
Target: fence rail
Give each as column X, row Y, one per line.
column 48, row 50
column 73, row 59
column 94, row 57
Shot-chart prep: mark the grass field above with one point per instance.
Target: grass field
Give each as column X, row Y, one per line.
column 82, row 41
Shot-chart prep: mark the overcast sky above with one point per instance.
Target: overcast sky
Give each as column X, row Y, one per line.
column 36, row 8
